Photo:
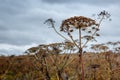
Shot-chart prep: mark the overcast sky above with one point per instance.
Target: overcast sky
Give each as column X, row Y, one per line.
column 21, row 21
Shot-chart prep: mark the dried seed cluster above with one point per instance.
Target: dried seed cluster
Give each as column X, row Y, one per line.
column 104, row 14
column 77, row 22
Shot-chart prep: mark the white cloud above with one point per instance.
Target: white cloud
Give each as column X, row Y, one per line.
column 7, row 49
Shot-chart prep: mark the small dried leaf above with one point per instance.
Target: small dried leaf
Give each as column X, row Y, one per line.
column 97, row 29
column 71, row 30
column 97, row 34
column 89, row 31
column 93, row 27
column 83, row 29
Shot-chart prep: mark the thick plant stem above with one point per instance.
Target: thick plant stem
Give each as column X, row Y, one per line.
column 81, row 54
column 82, row 68
column 82, row 63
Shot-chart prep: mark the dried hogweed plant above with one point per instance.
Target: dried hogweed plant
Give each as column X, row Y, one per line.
column 49, row 62
column 87, row 29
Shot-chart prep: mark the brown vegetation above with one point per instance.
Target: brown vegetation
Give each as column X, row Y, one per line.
column 101, row 66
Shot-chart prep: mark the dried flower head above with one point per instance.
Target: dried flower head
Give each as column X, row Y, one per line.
column 49, row 21
column 76, row 22
column 104, row 14
column 87, row 37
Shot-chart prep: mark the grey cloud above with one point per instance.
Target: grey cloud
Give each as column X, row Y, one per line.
column 3, row 28
column 21, row 21
column 12, row 7
column 94, row 2
column 22, row 24
column 20, row 38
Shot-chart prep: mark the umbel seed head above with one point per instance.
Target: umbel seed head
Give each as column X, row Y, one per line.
column 77, row 22
column 104, row 14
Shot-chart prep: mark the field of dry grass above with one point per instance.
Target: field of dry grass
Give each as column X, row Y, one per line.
column 99, row 66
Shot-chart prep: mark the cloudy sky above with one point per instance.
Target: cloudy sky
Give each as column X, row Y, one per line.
column 21, row 21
